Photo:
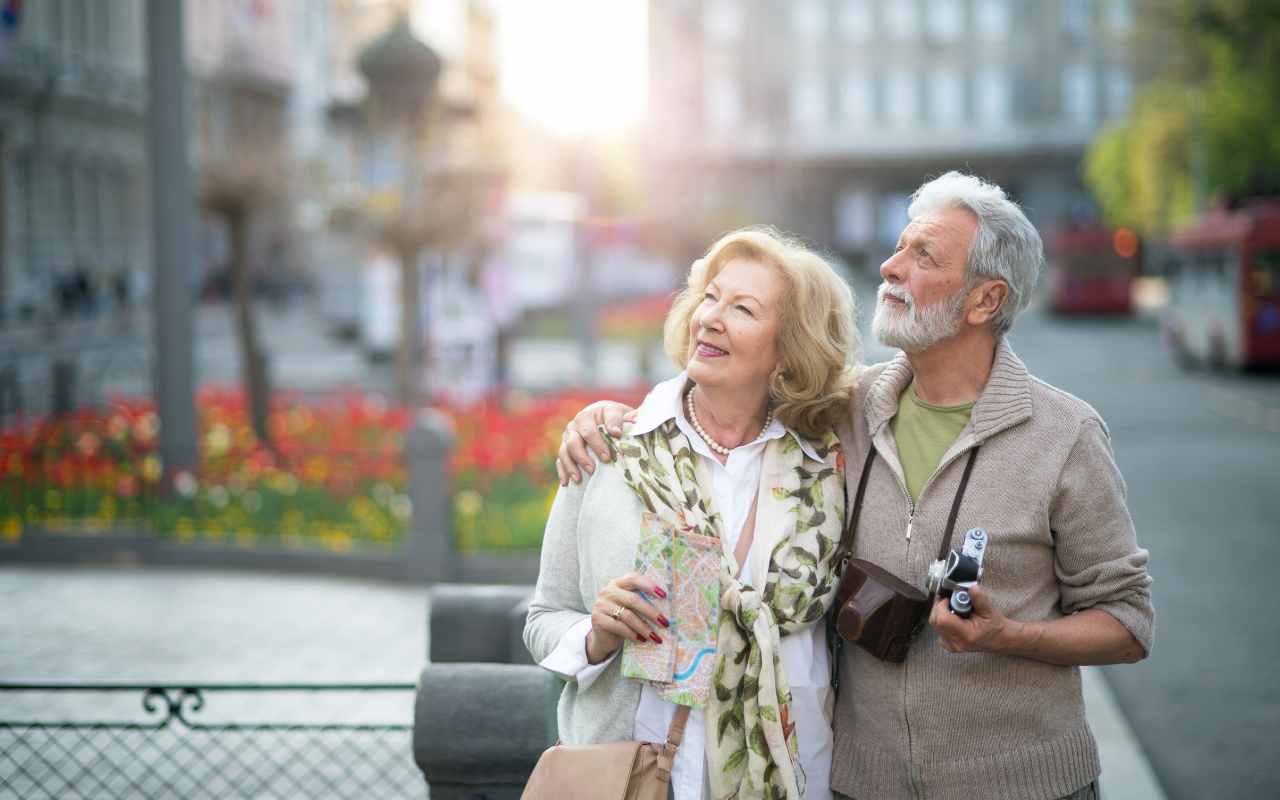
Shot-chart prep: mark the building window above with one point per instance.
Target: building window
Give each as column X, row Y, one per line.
column 724, row 103
column 24, row 235
column 91, row 198
column 1119, row 89
column 808, row 101
column 946, row 96
column 857, row 100
column 944, row 20
column 854, row 218
column 722, row 21
column 1077, row 18
column 67, row 199
column 1078, row 94
column 806, row 19
column 991, row 18
column 902, row 97
column 901, row 20
column 856, row 22
column 1120, row 15
column 991, row 100
column 893, row 217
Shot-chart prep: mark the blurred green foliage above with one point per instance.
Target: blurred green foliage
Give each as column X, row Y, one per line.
column 1206, row 122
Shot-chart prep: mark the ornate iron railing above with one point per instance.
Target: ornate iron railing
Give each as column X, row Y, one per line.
column 257, row 741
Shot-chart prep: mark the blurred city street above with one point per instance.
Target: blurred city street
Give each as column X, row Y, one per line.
column 297, row 297
column 1198, row 450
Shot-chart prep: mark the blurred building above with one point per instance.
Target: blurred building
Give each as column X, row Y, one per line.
column 823, row 115
column 461, row 151
column 246, row 58
column 272, row 81
column 73, row 228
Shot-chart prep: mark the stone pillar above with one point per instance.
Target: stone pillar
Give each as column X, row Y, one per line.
column 429, row 550
column 478, row 729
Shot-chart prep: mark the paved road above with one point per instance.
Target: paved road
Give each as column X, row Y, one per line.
column 157, row 626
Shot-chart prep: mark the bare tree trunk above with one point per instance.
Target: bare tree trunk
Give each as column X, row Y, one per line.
column 408, row 357
column 252, row 360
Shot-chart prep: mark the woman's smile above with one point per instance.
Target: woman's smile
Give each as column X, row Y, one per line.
column 705, row 350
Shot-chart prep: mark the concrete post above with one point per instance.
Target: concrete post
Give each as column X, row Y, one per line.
column 479, row 728
column 430, row 549
column 171, row 209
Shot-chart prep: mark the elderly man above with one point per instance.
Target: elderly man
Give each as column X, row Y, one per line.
column 989, row 705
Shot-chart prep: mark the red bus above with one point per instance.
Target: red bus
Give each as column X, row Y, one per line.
column 1091, row 269
column 1224, row 290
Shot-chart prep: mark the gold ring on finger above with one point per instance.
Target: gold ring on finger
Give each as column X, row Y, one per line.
column 616, row 613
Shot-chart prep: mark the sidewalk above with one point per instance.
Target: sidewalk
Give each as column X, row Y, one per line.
column 113, row 624
column 1126, row 772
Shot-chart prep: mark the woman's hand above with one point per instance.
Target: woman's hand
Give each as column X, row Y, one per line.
column 620, row 612
column 583, row 432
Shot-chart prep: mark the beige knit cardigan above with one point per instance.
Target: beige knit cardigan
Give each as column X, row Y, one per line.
column 1047, row 490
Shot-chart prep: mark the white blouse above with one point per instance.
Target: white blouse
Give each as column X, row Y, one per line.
column 804, row 654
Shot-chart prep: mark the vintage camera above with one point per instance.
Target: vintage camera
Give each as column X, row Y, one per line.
column 953, row 576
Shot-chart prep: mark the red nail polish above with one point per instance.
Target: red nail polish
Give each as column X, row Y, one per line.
column 664, row 622
column 639, row 638
column 659, row 592
column 656, row 638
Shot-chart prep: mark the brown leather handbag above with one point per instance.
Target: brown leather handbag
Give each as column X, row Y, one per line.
column 874, row 608
column 611, row 771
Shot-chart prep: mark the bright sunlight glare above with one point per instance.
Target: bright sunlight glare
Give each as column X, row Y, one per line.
column 576, row 66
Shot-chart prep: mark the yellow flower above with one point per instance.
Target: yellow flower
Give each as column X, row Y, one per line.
column 151, row 468
column 12, row 530
column 338, row 541
column 218, row 439
column 469, row 502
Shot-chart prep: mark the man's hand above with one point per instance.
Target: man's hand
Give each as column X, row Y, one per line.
column 982, row 631
column 1086, row 637
column 582, row 433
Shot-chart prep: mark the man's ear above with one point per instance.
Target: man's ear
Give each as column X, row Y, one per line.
column 985, row 301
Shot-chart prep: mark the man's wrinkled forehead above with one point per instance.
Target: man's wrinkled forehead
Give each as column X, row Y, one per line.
column 946, row 225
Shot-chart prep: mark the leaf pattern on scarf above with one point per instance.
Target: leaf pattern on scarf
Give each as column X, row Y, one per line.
column 753, row 751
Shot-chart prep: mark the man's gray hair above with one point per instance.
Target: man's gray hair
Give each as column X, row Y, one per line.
column 1006, row 245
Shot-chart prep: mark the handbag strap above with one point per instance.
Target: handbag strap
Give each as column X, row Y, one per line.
column 675, row 733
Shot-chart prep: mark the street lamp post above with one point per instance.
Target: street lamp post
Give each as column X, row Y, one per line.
column 403, row 73
column 174, row 373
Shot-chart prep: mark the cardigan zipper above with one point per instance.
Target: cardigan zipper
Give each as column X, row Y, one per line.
column 917, row 790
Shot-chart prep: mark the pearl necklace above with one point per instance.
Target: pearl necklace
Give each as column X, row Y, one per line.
column 715, row 446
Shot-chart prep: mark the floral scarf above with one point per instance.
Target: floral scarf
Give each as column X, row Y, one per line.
column 751, row 741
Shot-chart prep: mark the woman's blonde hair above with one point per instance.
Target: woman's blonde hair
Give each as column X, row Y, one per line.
column 818, row 344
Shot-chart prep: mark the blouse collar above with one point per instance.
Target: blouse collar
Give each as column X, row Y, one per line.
column 664, row 402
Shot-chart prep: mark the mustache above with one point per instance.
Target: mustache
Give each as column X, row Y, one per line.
column 897, row 292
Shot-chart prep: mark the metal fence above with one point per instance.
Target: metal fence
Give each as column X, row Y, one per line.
column 207, row 741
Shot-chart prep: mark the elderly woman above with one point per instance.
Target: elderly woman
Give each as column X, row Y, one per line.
column 723, row 509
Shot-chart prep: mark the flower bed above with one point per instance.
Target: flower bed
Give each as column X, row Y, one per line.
column 336, row 478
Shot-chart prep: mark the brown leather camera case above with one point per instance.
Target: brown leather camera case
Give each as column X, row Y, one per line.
column 878, row 610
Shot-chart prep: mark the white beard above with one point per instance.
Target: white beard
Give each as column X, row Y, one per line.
column 915, row 328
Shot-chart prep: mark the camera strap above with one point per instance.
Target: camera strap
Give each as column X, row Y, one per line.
column 955, row 505
column 835, row 640
column 846, row 541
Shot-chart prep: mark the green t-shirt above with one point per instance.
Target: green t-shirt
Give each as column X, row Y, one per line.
column 923, row 433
